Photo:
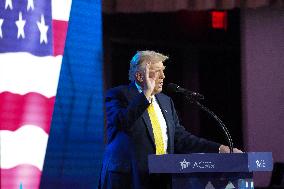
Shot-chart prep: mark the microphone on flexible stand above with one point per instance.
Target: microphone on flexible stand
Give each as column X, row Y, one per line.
column 193, row 97
column 190, row 94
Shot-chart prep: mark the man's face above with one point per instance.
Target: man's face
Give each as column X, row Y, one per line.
column 157, row 68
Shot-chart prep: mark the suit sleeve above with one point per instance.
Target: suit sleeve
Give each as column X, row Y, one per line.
column 121, row 112
column 185, row 142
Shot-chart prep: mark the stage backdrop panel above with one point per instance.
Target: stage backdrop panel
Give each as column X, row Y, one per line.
column 75, row 145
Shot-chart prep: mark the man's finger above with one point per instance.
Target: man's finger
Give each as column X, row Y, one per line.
column 147, row 70
column 237, row 150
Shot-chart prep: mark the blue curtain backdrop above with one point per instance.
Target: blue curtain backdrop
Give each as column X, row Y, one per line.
column 75, row 146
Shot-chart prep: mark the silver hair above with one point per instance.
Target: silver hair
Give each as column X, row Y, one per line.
column 142, row 57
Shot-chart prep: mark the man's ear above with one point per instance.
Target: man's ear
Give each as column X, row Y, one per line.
column 139, row 77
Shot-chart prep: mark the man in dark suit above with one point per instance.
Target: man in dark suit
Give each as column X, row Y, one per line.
column 141, row 121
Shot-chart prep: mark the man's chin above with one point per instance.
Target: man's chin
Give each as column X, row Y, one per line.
column 158, row 90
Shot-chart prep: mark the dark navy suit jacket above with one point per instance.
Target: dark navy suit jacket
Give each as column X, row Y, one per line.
column 130, row 137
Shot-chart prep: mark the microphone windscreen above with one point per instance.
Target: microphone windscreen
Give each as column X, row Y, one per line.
column 172, row 88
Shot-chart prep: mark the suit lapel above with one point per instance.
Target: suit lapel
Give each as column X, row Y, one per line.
column 147, row 121
column 132, row 93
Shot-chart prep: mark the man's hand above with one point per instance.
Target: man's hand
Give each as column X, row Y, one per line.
column 226, row 149
column 148, row 82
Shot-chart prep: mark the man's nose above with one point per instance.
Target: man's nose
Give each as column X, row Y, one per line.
column 162, row 75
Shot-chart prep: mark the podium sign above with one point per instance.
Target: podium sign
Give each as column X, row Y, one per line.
column 210, row 170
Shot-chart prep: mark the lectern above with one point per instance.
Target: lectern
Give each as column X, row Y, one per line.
column 211, row 170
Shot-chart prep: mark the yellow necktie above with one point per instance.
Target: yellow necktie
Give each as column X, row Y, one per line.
column 156, row 130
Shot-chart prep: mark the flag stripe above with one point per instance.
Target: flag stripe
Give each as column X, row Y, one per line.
column 61, row 9
column 26, row 145
column 59, row 36
column 20, row 175
column 31, row 108
column 23, row 72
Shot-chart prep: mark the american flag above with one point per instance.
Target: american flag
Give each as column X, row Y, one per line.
column 32, row 38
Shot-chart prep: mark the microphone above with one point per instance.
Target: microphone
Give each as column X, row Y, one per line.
column 193, row 97
column 177, row 89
